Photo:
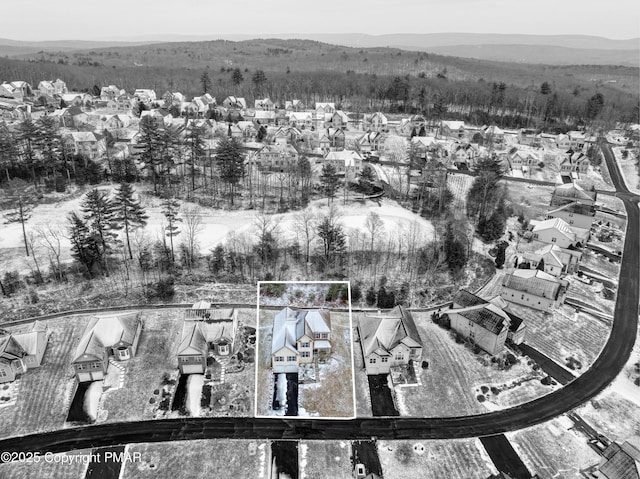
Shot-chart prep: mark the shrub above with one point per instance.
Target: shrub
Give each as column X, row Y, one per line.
column 152, row 400
column 510, row 360
column 156, row 391
column 425, row 365
column 273, row 289
column 11, row 282
column 546, row 381
column 459, row 338
column 480, row 398
column 495, row 391
column 403, row 453
column 484, row 389
column 477, row 349
column 356, row 293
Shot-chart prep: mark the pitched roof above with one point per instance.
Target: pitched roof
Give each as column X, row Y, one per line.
column 571, row 190
column 533, row 281
column 9, row 348
column 487, row 316
column 553, row 223
column 286, row 330
column 465, row 298
column 383, row 331
column 106, row 331
column 574, row 207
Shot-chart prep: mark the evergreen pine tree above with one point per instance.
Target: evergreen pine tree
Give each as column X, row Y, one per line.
column 231, row 163
column 128, row 213
column 170, row 210
column 329, row 180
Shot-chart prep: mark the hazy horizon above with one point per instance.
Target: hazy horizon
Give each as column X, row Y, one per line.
column 74, row 19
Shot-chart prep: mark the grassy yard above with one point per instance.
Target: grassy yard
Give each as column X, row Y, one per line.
column 45, row 392
column 552, row 450
column 363, row 396
column 42, row 469
column 200, row 458
column 156, row 355
column 322, row 459
column 455, row 459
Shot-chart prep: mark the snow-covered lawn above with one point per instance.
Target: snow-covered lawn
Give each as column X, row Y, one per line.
column 325, row 459
column 448, row 387
column 303, row 295
column 58, row 466
column 194, row 393
column 45, row 392
column 553, row 449
column 453, row 459
column 92, row 399
column 629, row 169
column 200, row 458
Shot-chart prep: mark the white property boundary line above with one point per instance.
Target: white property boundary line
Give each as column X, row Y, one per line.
column 350, row 329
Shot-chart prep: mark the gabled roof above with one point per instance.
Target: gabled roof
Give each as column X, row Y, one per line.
column 384, row 331
column 452, row 125
column 193, row 340
column 465, row 298
column 557, row 224
column 487, row 316
column 10, row 348
column 534, row 282
column 576, row 208
column 572, row 190
column 106, row 331
column 29, row 339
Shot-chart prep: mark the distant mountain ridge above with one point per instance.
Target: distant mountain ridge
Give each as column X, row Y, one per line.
column 522, row 48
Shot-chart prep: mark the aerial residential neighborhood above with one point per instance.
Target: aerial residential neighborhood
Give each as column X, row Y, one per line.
column 341, row 255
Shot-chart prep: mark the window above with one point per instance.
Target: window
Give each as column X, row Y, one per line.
column 399, row 357
column 305, row 354
column 3, row 373
column 384, row 359
column 522, row 297
column 279, row 359
column 325, row 335
column 304, row 345
column 316, row 335
column 80, row 367
column 96, row 365
column 291, row 358
column 372, row 360
column 553, row 240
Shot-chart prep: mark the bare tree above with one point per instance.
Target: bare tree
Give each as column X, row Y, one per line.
column 193, row 226
column 50, row 237
column 305, row 223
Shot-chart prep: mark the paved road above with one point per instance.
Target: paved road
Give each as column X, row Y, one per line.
column 504, row 457
column 605, row 368
column 548, row 365
column 105, row 467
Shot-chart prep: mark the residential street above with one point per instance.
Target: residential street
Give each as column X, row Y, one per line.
column 606, row 367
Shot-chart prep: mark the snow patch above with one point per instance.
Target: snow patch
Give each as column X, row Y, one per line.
column 194, row 393
column 303, row 460
column 92, row 399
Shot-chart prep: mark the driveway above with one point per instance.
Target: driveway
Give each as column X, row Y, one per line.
column 381, row 398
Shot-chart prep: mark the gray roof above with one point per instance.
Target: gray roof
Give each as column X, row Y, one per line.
column 486, row 316
column 465, row 298
column 104, row 332
column 290, row 325
column 386, row 330
column 535, row 282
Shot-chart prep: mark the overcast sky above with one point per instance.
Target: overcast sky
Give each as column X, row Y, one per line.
column 88, row 20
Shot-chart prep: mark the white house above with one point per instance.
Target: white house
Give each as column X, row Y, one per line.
column 557, row 231
column 388, row 339
column 299, row 337
column 533, row 288
column 343, row 161
column 572, row 192
column 575, row 214
column 555, row 260
column 21, row 350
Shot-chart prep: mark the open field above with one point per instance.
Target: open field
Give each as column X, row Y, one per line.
column 200, row 458
column 43, row 469
column 553, row 450
column 629, row 169
column 455, row 459
column 529, row 200
column 45, row 392
column 324, row 459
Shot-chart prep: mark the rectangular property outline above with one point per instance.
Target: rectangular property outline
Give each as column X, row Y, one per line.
column 353, row 386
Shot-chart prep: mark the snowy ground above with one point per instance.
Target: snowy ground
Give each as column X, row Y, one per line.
column 629, row 169
column 92, row 399
column 303, row 295
column 194, row 393
column 553, row 449
column 216, row 224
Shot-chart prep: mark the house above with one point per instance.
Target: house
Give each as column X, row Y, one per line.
column 494, row 134
column 388, row 339
column 144, row 95
column 464, row 156
column 377, row 122
column 575, row 214
column 331, row 138
column 11, row 109
column 234, row 103
column 106, row 337
column 299, row 337
column 370, row 142
column 619, row 461
column 125, row 102
column 323, row 108
column 343, row 161
column 557, row 231
column 530, row 138
column 72, row 117
column 275, row 157
column 533, row 288
column 287, row 135
column 452, row 129
column 294, row 105
column 116, row 122
column 423, row 145
column 563, row 142
column 206, row 332
column 573, row 164
column 264, row 104
column 75, row 99
column 483, row 323
column 265, row 117
column 302, row 120
column 339, row 119
column 84, row 143
column 52, row 88
column 110, row 92
column 572, row 192
column 577, row 140
column 21, row 350
column 18, row 90
column 523, row 160
column 6, row 91
column 159, row 115
column 555, row 260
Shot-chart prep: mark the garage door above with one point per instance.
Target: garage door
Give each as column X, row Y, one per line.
column 192, row 369
column 82, row 377
column 97, row 375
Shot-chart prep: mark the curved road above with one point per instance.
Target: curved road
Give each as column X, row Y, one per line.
column 606, row 367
